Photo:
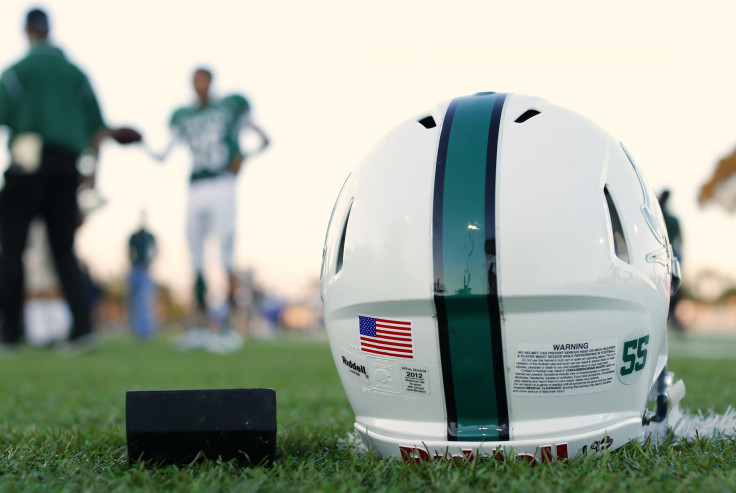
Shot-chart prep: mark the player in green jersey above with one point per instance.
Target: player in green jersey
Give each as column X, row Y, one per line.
column 212, row 128
column 53, row 117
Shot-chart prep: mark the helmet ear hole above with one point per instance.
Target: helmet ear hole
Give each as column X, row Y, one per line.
column 341, row 246
column 619, row 238
column 334, row 250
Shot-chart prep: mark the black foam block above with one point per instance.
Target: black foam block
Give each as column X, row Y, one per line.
column 173, row 426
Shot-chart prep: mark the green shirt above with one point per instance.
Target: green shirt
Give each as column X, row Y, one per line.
column 141, row 247
column 211, row 132
column 46, row 94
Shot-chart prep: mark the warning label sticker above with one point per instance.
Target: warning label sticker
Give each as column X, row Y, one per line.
column 415, row 379
column 565, row 368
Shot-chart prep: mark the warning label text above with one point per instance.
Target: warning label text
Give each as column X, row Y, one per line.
column 565, row 368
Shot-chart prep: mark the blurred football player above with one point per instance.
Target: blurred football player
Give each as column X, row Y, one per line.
column 53, row 116
column 212, row 127
column 141, row 288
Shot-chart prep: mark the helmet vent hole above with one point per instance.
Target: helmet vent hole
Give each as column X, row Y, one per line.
column 341, row 247
column 526, row 115
column 619, row 238
column 428, row 122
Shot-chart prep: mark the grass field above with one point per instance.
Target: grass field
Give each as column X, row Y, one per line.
column 62, row 428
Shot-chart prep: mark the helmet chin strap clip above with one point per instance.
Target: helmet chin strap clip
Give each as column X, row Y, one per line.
column 667, row 394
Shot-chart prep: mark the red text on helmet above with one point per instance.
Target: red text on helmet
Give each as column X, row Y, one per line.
column 409, row 453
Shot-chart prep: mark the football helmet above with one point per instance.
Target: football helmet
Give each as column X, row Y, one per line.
column 496, row 277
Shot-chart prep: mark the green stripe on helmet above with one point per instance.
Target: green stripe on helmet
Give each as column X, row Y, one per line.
column 465, row 294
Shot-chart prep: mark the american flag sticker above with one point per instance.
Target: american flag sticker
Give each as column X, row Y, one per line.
column 386, row 337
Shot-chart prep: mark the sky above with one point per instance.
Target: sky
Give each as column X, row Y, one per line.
column 327, row 79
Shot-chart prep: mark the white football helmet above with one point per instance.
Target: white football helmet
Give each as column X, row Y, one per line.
column 496, row 276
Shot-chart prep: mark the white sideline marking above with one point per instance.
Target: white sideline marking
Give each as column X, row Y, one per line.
column 705, row 425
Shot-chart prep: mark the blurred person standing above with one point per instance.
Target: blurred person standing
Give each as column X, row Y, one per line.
column 53, row 117
column 141, row 288
column 675, row 236
column 211, row 127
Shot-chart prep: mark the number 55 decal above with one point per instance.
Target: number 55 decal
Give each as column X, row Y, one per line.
column 633, row 356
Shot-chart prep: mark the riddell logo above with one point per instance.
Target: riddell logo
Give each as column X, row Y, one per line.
column 420, row 455
column 354, row 366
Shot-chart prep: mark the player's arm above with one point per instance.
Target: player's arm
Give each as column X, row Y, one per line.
column 98, row 131
column 265, row 142
column 176, row 134
column 6, row 101
column 88, row 160
column 161, row 156
column 237, row 162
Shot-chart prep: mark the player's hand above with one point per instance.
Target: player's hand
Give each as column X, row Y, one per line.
column 236, row 164
column 125, row 135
